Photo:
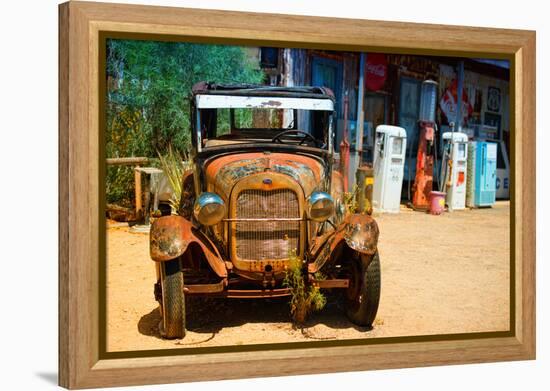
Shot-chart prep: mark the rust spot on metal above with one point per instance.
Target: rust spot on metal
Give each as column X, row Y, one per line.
column 271, row 103
column 223, row 173
column 198, row 289
column 170, row 237
column 167, row 239
column 256, row 293
column 328, row 284
column 362, row 233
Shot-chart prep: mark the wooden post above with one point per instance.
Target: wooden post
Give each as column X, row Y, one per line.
column 137, row 179
column 147, row 203
column 360, row 181
column 127, row 161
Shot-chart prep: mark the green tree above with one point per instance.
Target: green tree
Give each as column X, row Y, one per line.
column 148, row 91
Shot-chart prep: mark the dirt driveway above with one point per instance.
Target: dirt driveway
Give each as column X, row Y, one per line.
column 440, row 274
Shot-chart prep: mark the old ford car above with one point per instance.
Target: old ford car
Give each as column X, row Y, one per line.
column 263, row 185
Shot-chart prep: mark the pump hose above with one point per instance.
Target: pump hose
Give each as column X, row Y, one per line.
column 435, row 151
column 409, row 167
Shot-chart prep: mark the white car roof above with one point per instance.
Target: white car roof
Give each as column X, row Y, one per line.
column 262, row 102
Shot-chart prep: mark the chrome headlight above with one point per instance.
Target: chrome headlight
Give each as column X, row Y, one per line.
column 320, row 206
column 209, row 209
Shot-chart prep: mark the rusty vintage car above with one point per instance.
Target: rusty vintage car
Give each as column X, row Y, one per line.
column 263, row 184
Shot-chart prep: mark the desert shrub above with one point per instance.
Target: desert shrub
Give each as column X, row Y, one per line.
column 174, row 164
column 125, row 137
column 305, row 298
column 120, row 185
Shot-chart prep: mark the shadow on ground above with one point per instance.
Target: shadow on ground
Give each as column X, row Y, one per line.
column 210, row 316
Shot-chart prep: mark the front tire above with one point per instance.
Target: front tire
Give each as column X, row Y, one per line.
column 172, row 325
column 363, row 293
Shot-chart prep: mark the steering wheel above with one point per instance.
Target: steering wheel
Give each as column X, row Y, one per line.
column 306, row 135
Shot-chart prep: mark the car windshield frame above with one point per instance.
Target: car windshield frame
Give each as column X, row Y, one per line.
column 277, row 102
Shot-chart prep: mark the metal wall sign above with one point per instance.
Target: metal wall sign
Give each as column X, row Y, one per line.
column 376, row 71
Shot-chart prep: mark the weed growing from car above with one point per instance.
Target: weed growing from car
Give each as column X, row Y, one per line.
column 174, row 164
column 350, row 199
column 304, row 298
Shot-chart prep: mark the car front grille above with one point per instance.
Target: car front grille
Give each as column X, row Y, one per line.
column 267, row 240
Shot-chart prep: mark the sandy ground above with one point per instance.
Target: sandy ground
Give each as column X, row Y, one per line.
column 440, row 274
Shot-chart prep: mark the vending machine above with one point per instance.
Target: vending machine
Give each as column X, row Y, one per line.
column 454, row 166
column 389, row 162
column 482, row 161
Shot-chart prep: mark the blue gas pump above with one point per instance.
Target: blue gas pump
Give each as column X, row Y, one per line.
column 481, row 187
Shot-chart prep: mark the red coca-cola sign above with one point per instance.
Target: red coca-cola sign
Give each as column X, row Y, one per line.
column 376, row 71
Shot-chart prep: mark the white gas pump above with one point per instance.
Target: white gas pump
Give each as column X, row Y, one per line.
column 389, row 161
column 454, row 164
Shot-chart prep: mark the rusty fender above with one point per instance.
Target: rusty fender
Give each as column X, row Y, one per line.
column 171, row 236
column 361, row 233
column 358, row 231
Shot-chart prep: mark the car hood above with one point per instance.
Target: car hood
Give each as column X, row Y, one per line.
column 224, row 172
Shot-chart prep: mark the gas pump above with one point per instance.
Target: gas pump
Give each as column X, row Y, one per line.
column 423, row 181
column 454, row 169
column 389, row 162
column 482, row 169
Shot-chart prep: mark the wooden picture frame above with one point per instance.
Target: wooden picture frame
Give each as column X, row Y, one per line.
column 83, row 364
